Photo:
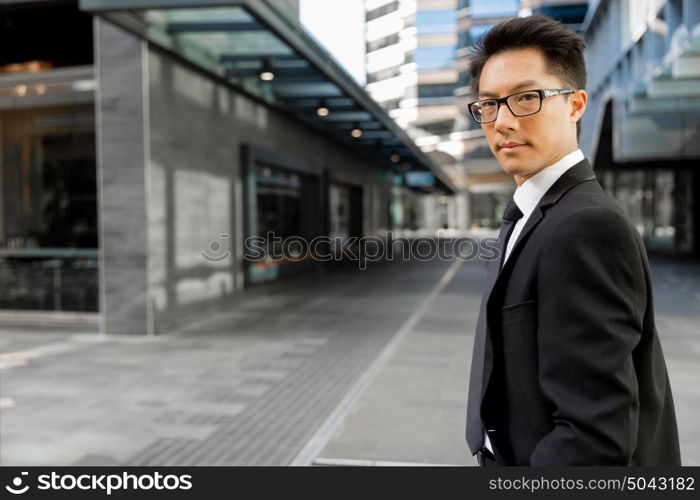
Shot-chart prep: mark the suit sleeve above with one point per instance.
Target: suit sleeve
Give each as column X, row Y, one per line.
column 591, row 301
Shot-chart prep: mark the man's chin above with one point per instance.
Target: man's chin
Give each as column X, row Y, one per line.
column 513, row 167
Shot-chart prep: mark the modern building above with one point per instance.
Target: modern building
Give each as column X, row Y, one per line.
column 487, row 186
column 411, row 73
column 410, row 60
column 144, row 143
column 642, row 126
column 417, row 60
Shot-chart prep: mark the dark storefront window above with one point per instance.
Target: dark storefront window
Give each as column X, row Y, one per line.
column 279, row 201
column 48, row 192
column 659, row 202
column 48, row 209
column 287, row 208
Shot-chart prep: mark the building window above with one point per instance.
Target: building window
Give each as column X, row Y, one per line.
column 439, row 128
column 476, row 32
column 493, row 8
column 567, row 14
column 435, row 58
column 48, row 209
column 391, row 104
column 659, row 204
column 383, row 42
column 464, row 79
column 382, row 11
column 433, row 22
column 384, row 74
column 436, row 90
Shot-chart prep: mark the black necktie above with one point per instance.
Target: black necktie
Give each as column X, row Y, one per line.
column 475, row 426
column 510, row 218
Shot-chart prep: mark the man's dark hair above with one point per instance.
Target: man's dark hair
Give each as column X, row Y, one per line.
column 562, row 49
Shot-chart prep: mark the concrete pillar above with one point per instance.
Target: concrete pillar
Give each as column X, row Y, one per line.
column 122, row 150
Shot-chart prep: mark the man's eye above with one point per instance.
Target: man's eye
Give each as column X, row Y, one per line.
column 527, row 97
column 488, row 104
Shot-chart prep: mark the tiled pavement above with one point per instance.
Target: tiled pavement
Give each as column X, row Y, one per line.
column 247, row 387
column 253, row 386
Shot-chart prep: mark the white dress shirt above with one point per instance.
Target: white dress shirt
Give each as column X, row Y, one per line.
column 530, row 192
column 527, row 196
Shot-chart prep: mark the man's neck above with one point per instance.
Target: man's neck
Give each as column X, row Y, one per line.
column 520, row 179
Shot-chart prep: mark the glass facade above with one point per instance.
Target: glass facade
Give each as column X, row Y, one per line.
column 48, row 209
column 436, row 90
column 476, row 32
column 493, row 8
column 435, row 58
column 432, row 22
column 659, row 203
column 285, row 207
column 279, row 201
column 48, row 190
column 573, row 15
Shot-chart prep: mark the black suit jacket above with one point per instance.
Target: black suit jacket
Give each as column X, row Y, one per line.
column 573, row 372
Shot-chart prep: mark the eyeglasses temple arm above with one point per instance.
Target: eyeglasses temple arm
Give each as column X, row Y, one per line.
column 548, row 93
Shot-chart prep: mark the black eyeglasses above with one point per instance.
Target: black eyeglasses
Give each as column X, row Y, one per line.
column 520, row 104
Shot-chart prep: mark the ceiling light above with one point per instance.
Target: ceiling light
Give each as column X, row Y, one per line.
column 267, row 73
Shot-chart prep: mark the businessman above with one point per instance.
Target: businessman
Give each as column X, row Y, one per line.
column 567, row 367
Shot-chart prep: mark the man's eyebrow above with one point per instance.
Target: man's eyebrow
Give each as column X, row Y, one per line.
column 526, row 83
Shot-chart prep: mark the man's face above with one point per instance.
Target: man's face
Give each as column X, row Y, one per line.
column 537, row 140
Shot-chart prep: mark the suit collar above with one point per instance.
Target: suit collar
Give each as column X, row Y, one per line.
column 530, row 192
column 580, row 172
column 577, row 174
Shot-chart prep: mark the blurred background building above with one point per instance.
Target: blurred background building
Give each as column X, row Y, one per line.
column 417, row 59
column 642, row 126
column 411, row 73
column 146, row 143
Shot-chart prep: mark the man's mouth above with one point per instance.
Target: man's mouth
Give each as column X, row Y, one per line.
column 510, row 146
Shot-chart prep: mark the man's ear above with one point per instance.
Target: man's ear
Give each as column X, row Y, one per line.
column 577, row 105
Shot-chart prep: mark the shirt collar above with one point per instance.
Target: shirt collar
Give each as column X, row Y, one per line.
column 530, row 192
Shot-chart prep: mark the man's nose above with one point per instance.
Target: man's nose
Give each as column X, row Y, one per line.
column 504, row 118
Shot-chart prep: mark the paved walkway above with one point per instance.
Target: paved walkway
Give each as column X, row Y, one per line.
column 352, row 367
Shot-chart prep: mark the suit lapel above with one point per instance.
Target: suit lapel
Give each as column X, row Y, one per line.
column 580, row 172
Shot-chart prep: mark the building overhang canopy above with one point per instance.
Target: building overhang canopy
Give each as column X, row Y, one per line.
column 679, row 75
column 260, row 49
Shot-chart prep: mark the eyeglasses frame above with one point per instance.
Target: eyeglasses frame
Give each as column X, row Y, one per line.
column 504, row 100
